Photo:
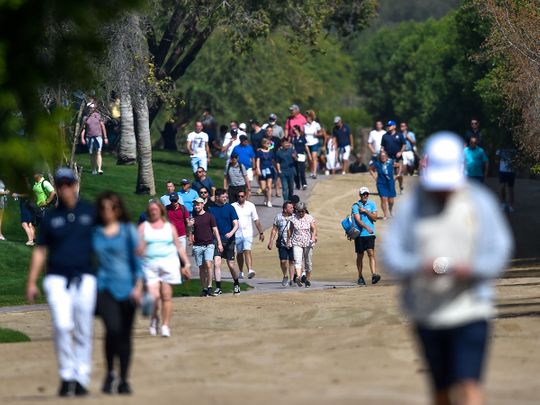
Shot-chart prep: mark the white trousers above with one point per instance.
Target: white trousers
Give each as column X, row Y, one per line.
column 72, row 311
column 303, row 255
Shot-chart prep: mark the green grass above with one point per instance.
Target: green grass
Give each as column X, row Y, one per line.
column 12, row 336
column 15, row 256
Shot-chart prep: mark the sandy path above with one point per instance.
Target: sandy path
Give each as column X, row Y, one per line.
column 331, row 346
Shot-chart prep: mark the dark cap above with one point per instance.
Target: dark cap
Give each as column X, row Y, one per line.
column 254, row 121
column 234, row 155
column 65, row 175
column 184, row 182
column 234, row 132
column 173, row 197
column 272, row 117
column 243, row 138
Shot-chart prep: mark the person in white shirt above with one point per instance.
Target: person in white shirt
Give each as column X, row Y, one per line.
column 247, row 213
column 231, row 139
column 312, row 131
column 197, row 146
column 375, row 138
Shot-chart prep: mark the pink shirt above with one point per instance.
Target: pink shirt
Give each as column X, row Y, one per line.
column 299, row 120
column 93, row 125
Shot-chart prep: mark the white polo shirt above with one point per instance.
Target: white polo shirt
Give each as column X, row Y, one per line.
column 247, row 214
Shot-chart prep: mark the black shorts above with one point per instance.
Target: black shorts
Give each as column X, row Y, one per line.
column 228, row 249
column 363, row 243
column 507, row 178
column 455, row 354
column 286, row 253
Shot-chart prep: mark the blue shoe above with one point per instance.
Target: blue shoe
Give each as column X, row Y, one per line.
column 361, row 281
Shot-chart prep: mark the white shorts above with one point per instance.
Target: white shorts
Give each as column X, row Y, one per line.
column 243, row 243
column 95, row 144
column 166, row 270
column 345, row 152
column 408, row 158
column 249, row 173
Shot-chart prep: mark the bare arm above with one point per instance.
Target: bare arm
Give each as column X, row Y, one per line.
column 83, row 132
column 233, row 230
column 313, row 228
column 218, row 238
column 39, row 255
column 361, row 224
column 272, row 236
column 260, row 229
column 182, row 253
column 104, row 132
column 188, row 147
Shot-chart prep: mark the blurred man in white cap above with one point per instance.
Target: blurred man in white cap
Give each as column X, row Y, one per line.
column 364, row 212
column 457, row 242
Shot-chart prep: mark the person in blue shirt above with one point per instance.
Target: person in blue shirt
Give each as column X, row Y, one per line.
column 203, row 181
column 171, row 188
column 410, row 144
column 344, row 140
column 246, row 155
column 365, row 214
column 476, row 161
column 187, row 195
column 393, row 143
column 227, row 224
column 382, row 170
column 119, row 284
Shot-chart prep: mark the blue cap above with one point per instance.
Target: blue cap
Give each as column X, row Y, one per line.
column 65, row 175
column 390, row 123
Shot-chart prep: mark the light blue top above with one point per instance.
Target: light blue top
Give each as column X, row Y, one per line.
column 475, row 159
column 188, row 197
column 369, row 206
column 166, row 201
column 408, row 144
column 118, row 265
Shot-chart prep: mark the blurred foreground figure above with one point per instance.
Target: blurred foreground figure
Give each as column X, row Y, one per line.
column 64, row 245
column 458, row 244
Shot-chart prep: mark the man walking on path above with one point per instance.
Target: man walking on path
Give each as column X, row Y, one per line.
column 246, row 155
column 458, row 242
column 197, row 147
column 235, row 178
column 375, row 138
column 286, row 167
column 247, row 215
column 44, row 194
column 394, row 145
column 345, row 143
column 227, row 224
column 410, row 145
column 365, row 214
column 476, row 161
column 178, row 216
column 64, row 244
column 295, row 118
column 202, row 238
column 171, row 188
column 187, row 194
column 95, row 134
column 280, row 228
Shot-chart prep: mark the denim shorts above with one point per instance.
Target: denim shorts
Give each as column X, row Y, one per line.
column 203, row 253
column 455, row 354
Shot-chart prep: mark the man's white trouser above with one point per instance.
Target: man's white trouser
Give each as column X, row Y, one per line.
column 72, row 311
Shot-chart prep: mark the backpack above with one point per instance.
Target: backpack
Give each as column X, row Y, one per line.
column 348, row 224
column 54, row 201
column 240, row 165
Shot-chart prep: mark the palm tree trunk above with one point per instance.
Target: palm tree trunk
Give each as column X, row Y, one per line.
column 127, row 149
column 145, row 174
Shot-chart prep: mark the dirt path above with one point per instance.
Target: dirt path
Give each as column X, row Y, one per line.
column 340, row 345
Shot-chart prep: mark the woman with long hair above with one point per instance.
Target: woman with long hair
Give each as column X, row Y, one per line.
column 382, row 170
column 265, row 170
column 119, row 283
column 312, row 131
column 161, row 263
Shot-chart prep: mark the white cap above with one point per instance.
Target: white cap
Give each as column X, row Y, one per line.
column 242, row 126
column 443, row 162
column 337, row 118
column 363, row 190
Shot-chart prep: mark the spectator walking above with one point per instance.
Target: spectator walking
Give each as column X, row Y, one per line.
column 197, row 147
column 119, row 285
column 209, row 125
column 302, row 154
column 231, row 140
column 286, row 167
column 507, row 177
column 365, row 214
column 3, row 201
column 64, row 245
column 265, row 170
column 161, row 264
column 247, row 215
column 458, row 243
column 345, row 142
column 257, row 134
column 476, row 161
column 332, row 156
column 393, row 143
column 303, row 240
column 410, row 145
column 246, row 156
column 313, row 132
column 473, row 131
column 170, row 189
column 202, row 238
column 227, row 224
column 178, row 215
column 202, row 180
column 277, row 130
column 375, row 139
column 94, row 134
column 235, row 178
column 187, row 194
column 44, row 197
column 27, row 217
column 295, row 119
column 382, row 170
column 281, row 228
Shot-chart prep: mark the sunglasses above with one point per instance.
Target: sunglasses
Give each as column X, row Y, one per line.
column 203, row 192
column 241, row 196
column 364, row 194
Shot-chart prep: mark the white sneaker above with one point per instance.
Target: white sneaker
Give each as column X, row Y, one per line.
column 165, row 331
column 241, row 275
column 269, row 204
column 251, row 274
column 153, row 327
column 94, row 171
column 327, row 173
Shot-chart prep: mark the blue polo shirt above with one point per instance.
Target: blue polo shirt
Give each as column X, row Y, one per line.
column 188, row 197
column 67, row 234
column 392, row 143
column 342, row 135
column 225, row 215
column 245, row 154
column 369, row 206
column 206, row 183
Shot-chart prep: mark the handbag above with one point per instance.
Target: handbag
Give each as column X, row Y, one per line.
column 349, row 226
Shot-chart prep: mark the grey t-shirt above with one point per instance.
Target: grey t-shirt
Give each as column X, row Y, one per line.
column 235, row 174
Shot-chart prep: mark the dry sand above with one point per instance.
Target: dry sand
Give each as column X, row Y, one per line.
column 333, row 346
